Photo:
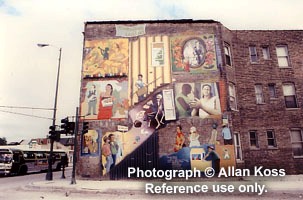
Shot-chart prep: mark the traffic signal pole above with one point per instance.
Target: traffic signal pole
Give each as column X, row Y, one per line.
column 73, row 181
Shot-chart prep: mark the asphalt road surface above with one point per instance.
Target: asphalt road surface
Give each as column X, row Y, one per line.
column 13, row 188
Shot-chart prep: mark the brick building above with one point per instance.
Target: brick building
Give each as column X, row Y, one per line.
column 255, row 88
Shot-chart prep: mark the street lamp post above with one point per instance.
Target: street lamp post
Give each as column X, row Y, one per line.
column 49, row 174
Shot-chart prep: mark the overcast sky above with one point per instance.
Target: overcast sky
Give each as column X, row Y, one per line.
column 28, row 73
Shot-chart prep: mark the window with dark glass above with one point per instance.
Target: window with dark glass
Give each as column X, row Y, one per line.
column 290, row 95
column 232, row 96
column 272, row 90
column 253, row 54
column 253, row 137
column 271, row 139
column 238, row 146
column 297, row 142
column 265, row 51
column 227, row 54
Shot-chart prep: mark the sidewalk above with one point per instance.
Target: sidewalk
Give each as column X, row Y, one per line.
column 272, row 184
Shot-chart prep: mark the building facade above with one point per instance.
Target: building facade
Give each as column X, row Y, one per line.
column 157, row 94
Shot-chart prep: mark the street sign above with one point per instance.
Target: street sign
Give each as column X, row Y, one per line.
column 122, row 128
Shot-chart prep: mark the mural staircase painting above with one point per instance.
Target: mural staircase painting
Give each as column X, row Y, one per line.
column 146, row 120
column 144, row 157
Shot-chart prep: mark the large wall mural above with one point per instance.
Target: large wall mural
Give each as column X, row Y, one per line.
column 105, row 58
column 197, row 99
column 105, row 100
column 105, row 96
column 194, row 54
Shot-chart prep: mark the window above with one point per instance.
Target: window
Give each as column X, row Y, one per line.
column 271, row 138
column 272, row 90
column 227, row 54
column 253, row 54
column 297, row 142
column 282, row 54
column 232, row 96
column 238, row 146
column 253, row 138
column 259, row 94
column 289, row 95
column 265, row 51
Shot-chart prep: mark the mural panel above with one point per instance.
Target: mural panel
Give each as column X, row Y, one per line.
column 112, row 149
column 198, row 99
column 200, row 158
column 194, row 54
column 90, row 143
column 105, row 58
column 157, row 54
column 105, row 100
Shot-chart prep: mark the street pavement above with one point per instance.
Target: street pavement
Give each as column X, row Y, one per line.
column 251, row 186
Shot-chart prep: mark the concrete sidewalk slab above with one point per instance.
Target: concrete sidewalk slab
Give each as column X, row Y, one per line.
column 289, row 183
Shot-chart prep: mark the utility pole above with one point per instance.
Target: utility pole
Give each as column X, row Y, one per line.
column 49, row 174
column 73, row 181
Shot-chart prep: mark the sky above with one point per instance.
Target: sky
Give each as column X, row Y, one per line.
column 28, row 73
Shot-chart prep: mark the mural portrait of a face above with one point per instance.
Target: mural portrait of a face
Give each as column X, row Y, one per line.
column 194, row 54
column 197, row 99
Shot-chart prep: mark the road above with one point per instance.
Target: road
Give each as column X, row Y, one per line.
column 13, row 188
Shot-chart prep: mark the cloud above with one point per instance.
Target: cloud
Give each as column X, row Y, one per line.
column 7, row 9
column 28, row 73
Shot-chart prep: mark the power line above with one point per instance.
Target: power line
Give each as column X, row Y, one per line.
column 28, row 115
column 24, row 107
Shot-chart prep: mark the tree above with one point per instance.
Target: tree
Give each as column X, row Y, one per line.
column 3, row 141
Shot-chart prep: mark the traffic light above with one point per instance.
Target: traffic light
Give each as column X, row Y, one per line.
column 64, row 126
column 57, row 136
column 85, row 127
column 53, row 134
column 52, row 130
column 71, row 128
column 67, row 126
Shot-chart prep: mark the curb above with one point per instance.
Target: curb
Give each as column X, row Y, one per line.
column 138, row 187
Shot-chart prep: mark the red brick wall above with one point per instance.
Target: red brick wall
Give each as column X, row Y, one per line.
column 272, row 114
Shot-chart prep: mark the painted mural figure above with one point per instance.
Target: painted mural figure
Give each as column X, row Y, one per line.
column 226, row 155
column 214, row 134
column 160, row 111
column 148, row 112
column 104, row 53
column 107, row 153
column 120, row 149
column 141, row 88
column 92, row 100
column 113, row 148
column 106, row 103
column 90, row 144
column 194, row 137
column 119, row 60
column 214, row 157
column 183, row 101
column 180, row 139
column 198, row 53
column 207, row 105
column 226, row 134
